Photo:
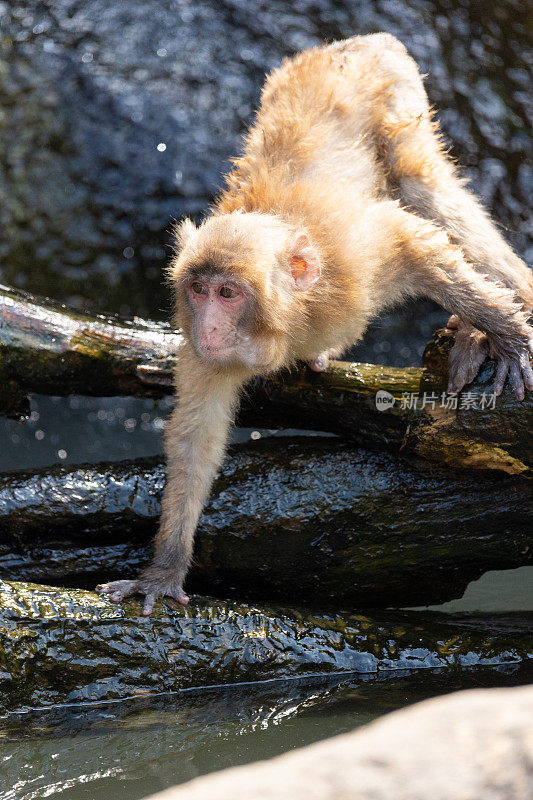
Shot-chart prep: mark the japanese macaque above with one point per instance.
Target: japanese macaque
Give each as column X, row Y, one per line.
column 343, row 203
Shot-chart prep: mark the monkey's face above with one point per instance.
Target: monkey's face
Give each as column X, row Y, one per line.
column 236, row 279
column 222, row 314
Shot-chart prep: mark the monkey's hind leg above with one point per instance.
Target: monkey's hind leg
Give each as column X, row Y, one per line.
column 427, row 182
column 434, row 267
column 426, row 178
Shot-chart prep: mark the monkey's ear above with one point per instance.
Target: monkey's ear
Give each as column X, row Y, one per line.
column 304, row 262
column 183, row 232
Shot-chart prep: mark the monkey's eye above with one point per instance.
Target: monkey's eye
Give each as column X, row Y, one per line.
column 226, row 292
column 197, row 287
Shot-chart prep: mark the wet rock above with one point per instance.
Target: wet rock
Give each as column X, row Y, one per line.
column 117, row 117
column 61, row 646
column 288, row 520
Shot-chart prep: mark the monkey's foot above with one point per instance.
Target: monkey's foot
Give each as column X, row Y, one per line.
column 320, row 363
column 517, row 366
column 150, row 588
column 470, row 349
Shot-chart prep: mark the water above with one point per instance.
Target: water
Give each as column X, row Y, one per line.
column 129, row 750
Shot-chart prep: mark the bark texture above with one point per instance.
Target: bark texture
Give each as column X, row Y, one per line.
column 290, row 520
column 65, row 646
column 49, row 349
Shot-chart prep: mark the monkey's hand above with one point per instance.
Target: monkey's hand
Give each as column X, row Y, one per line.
column 515, row 362
column 153, row 584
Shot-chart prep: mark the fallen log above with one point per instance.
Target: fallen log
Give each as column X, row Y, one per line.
column 64, row 646
column 292, row 520
column 50, row 349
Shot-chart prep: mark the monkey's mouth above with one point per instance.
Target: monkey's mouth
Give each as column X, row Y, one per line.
column 216, row 353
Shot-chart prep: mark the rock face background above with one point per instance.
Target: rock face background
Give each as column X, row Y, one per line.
column 118, row 117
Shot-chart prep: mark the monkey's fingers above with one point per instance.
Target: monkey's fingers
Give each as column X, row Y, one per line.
column 501, row 373
column 118, row 590
column 149, row 603
column 181, row 597
column 152, row 597
column 507, row 366
column 520, row 373
column 477, row 357
column 527, row 371
column 466, row 357
column 455, row 383
column 516, row 381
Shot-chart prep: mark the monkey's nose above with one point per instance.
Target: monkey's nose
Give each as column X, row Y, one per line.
column 213, row 340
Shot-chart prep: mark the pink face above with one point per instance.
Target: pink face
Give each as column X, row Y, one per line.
column 219, row 309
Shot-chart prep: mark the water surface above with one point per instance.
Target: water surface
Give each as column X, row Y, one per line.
column 129, row 750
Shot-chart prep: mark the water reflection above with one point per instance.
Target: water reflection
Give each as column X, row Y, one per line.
column 128, row 750
column 79, row 430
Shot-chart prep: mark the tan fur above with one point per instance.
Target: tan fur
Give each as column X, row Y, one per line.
column 344, row 154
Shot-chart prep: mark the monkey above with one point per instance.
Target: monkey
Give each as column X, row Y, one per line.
column 343, row 203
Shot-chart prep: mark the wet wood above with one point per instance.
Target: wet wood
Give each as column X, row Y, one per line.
column 61, row 646
column 50, row 349
column 292, row 520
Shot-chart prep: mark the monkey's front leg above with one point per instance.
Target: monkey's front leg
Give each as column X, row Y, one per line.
column 173, row 543
column 195, row 445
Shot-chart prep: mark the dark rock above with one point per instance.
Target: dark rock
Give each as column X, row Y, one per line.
column 295, row 521
column 63, row 646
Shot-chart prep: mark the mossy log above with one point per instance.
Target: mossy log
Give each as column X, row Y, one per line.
column 50, row 349
column 64, row 646
column 293, row 520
